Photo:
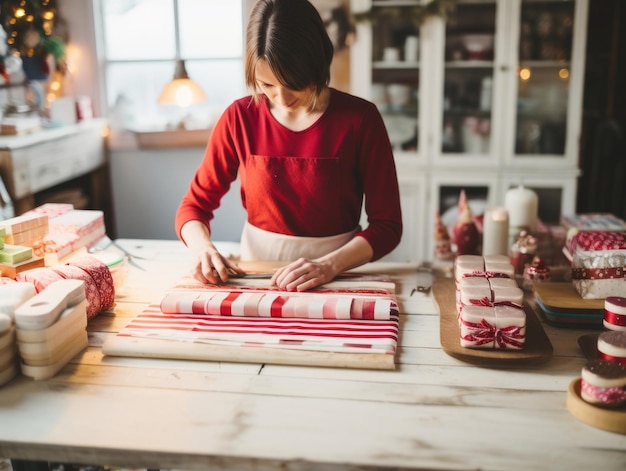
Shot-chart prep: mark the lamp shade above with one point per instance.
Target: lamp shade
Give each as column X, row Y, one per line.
column 181, row 91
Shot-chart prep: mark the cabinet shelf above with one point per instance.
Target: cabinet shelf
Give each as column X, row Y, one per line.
column 395, row 65
column 470, row 64
column 545, row 64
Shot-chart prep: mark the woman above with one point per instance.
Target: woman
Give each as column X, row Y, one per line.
column 307, row 156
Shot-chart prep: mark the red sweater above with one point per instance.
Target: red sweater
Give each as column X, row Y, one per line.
column 308, row 183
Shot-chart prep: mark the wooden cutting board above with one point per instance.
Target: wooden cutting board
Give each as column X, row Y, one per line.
column 159, row 348
column 537, row 349
column 563, row 297
column 561, row 306
column 613, row 420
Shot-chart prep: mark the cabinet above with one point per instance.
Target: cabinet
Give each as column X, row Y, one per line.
column 53, row 164
column 486, row 99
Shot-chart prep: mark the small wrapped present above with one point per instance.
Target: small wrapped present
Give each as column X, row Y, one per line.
column 598, row 263
column 27, row 229
column 501, row 327
column 70, row 231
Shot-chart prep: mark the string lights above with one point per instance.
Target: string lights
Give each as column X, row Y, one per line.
column 31, row 30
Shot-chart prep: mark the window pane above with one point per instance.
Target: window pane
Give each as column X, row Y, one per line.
column 210, row 28
column 134, row 88
column 221, row 80
column 139, row 29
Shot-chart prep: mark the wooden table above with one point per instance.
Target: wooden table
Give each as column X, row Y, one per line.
column 432, row 412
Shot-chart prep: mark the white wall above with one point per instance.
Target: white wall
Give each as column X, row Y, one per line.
column 83, row 76
column 148, row 185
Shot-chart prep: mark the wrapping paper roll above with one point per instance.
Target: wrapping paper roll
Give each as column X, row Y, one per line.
column 102, row 277
column 92, row 292
column 99, row 287
column 615, row 313
column 40, row 277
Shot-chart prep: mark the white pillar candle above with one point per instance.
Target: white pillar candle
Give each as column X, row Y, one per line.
column 496, row 231
column 522, row 205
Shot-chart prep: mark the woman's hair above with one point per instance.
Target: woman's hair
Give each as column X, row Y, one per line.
column 290, row 35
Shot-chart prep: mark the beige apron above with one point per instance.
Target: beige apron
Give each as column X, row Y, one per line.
column 258, row 244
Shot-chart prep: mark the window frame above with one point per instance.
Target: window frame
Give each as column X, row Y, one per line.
column 105, row 63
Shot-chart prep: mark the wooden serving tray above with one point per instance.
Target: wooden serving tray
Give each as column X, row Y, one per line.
column 537, row 349
column 613, row 420
column 563, row 297
column 561, row 306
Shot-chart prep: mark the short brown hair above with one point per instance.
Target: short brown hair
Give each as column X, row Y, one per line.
column 290, row 35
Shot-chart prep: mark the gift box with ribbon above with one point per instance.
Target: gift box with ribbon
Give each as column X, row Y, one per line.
column 598, row 263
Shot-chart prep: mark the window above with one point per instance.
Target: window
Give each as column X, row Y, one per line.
column 141, row 40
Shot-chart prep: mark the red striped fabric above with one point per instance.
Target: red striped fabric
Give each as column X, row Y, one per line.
column 319, row 334
column 268, row 302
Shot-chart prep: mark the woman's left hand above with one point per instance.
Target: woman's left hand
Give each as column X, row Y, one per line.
column 303, row 274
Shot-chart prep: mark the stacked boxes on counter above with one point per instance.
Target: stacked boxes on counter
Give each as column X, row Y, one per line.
column 17, row 237
column 49, row 288
column 70, row 230
column 46, row 236
column 489, row 303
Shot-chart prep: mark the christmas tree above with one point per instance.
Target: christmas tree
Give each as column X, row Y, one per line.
column 21, row 18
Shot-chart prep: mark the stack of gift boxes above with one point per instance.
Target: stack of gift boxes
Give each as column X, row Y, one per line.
column 49, row 288
column 46, row 236
column 17, row 238
column 489, row 303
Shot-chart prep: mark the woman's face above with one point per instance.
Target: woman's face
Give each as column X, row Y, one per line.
column 289, row 100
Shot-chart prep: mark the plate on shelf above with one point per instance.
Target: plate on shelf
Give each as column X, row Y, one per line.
column 613, row 420
column 537, row 349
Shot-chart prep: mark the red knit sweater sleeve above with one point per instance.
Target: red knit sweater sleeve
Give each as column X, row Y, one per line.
column 380, row 185
column 213, row 177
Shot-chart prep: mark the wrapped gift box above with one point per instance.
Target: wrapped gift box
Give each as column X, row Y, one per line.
column 69, row 230
column 27, row 229
column 87, row 224
column 598, row 263
column 58, row 246
column 502, row 327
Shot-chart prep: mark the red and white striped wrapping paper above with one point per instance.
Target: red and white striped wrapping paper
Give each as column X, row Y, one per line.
column 328, row 335
column 370, row 304
column 254, row 321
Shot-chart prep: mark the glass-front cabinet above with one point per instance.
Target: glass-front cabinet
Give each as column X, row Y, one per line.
column 489, row 93
column 468, row 81
column 543, row 77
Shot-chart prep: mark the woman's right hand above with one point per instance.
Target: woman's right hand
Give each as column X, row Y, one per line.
column 209, row 265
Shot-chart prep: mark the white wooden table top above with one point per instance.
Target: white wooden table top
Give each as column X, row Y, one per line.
column 432, row 412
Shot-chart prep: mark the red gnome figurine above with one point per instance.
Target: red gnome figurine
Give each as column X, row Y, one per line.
column 465, row 233
column 443, row 246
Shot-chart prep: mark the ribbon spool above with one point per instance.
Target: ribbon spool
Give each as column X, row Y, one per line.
column 615, row 313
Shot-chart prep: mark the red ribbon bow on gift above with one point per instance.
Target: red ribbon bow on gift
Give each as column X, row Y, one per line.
column 484, row 333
